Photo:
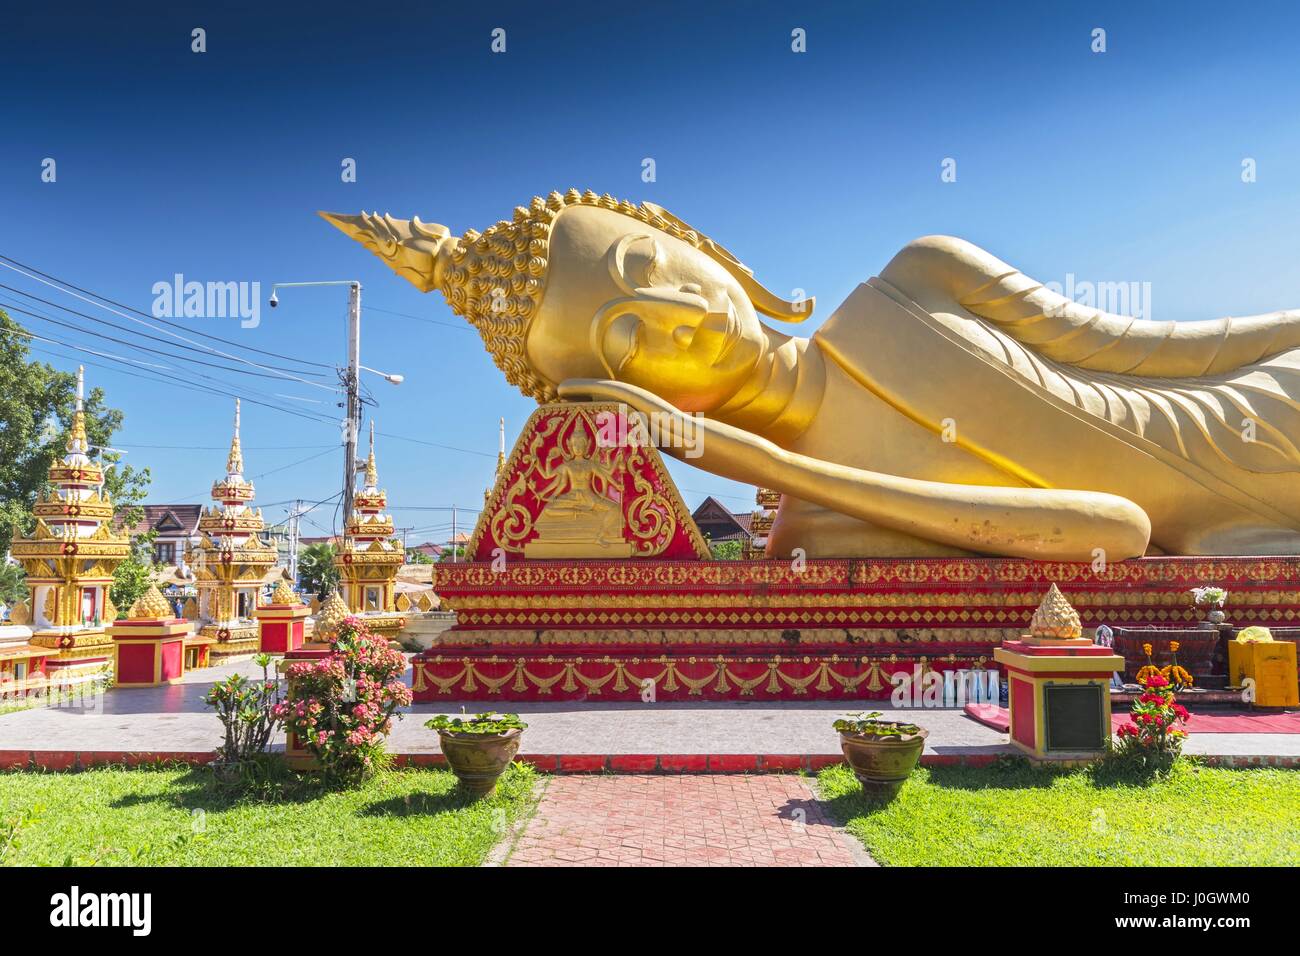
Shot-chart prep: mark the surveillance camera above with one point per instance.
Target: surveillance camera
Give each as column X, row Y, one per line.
column 274, row 300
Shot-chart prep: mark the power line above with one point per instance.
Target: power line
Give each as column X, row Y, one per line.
column 224, row 447
column 420, row 318
column 434, row 444
column 171, row 380
column 143, row 348
column 132, row 318
column 206, row 335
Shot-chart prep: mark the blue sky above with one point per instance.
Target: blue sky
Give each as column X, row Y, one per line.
column 814, row 168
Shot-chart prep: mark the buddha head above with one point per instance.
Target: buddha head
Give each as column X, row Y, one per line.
column 585, row 286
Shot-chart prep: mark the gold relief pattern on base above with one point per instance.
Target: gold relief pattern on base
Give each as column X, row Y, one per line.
column 1172, row 575
column 774, row 636
column 666, row 672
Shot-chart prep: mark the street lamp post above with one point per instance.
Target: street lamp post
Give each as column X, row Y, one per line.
column 351, row 382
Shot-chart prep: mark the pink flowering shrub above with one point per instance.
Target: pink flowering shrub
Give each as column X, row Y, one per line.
column 342, row 707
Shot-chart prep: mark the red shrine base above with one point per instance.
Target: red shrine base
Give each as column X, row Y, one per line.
column 766, row 630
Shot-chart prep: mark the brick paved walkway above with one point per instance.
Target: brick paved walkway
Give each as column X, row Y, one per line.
column 689, row 820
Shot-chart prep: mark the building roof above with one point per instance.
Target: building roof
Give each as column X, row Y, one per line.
column 719, row 523
column 170, row 520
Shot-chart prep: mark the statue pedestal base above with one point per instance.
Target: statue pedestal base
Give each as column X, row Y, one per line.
column 148, row 653
column 281, row 627
column 768, row 630
column 1059, row 698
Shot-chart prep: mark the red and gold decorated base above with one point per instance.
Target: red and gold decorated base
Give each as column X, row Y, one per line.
column 238, row 641
column 76, row 654
column 281, row 627
column 148, row 653
column 386, row 624
column 1030, row 669
column 830, row 629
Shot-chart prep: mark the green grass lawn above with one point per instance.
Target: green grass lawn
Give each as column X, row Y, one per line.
column 179, row 816
column 1022, row 816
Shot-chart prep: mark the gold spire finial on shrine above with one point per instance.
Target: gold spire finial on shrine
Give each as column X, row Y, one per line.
column 235, row 461
column 78, row 444
column 283, row 594
column 501, row 444
column 332, row 613
column 1055, row 618
column 372, row 470
column 151, row 606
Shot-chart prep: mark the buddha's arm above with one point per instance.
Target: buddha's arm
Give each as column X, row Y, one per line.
column 940, row 272
column 1049, row 524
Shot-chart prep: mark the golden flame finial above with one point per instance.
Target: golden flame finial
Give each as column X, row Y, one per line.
column 1055, row 618
column 235, row 460
column 151, row 606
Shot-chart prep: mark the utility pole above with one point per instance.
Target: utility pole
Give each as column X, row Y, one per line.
column 351, row 379
column 454, row 554
column 294, row 517
column 353, row 384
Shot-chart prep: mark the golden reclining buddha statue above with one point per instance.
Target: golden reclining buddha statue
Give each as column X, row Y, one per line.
column 951, row 405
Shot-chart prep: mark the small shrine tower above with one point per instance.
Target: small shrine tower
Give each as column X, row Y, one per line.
column 370, row 557
column 231, row 560
column 760, row 523
column 501, row 461
column 71, row 555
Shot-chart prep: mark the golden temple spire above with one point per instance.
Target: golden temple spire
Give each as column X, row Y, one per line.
column 235, row 461
column 372, row 470
column 501, row 444
column 78, row 444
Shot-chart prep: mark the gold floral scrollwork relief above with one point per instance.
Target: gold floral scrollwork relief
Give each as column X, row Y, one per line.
column 650, row 517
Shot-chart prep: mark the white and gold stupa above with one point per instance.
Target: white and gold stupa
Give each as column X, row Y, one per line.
column 70, row 557
column 370, row 557
column 231, row 560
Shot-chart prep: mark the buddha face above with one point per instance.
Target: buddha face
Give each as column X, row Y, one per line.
column 626, row 301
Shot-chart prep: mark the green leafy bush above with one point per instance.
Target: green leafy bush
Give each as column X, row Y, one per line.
column 479, row 724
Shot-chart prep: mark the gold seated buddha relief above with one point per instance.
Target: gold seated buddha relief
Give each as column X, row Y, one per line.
column 951, row 405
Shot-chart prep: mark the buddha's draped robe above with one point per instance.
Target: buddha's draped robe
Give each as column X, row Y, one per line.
column 1175, row 416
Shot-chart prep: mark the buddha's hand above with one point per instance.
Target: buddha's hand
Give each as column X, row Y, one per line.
column 1055, row 524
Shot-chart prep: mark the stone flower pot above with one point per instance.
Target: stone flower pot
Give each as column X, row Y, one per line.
column 478, row 760
column 882, row 764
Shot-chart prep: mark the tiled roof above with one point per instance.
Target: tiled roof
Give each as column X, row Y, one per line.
column 169, row 519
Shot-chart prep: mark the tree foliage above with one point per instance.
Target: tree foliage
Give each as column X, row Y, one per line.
column 726, row 550
column 36, row 408
column 316, row 570
column 131, row 577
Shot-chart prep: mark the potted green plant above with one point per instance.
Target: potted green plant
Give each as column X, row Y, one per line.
column 881, row 753
column 478, row 748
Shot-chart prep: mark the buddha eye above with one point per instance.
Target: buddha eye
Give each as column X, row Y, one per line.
column 634, row 261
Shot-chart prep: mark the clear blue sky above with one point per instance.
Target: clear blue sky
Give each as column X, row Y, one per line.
column 1117, row 166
